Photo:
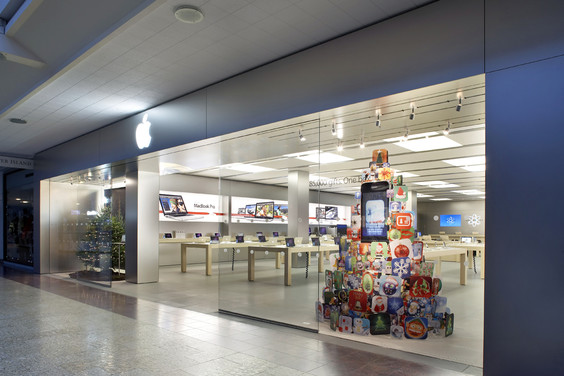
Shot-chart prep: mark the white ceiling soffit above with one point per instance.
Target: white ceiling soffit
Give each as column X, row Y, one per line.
column 126, row 56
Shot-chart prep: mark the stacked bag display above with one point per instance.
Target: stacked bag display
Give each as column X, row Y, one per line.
column 384, row 287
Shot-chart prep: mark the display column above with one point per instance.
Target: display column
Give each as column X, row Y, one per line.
column 142, row 224
column 298, row 209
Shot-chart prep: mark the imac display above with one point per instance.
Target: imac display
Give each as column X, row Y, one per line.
column 290, row 242
column 261, row 238
column 217, row 234
column 198, row 234
column 250, row 210
column 323, row 230
column 451, row 220
column 375, row 205
column 265, row 210
column 315, row 241
column 331, row 212
column 239, row 239
column 280, row 210
column 214, row 239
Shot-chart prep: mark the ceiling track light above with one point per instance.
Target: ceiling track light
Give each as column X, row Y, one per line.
column 406, row 135
column 412, row 115
column 459, row 105
column 339, row 145
column 446, row 131
column 378, row 120
column 300, row 135
column 362, row 145
column 333, row 128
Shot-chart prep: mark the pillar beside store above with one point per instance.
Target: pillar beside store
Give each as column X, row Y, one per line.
column 142, row 224
column 298, row 209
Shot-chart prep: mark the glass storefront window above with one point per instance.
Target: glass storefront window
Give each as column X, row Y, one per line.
column 18, row 220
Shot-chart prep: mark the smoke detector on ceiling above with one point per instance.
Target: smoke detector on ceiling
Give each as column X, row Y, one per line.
column 188, row 14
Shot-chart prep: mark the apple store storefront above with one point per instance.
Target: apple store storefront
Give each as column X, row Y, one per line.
column 324, row 222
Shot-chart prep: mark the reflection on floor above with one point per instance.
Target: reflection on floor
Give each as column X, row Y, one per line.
column 50, row 326
column 269, row 299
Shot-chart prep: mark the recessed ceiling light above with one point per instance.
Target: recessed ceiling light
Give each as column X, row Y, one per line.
column 405, row 174
column 323, row 158
column 441, row 199
column 477, row 168
column 18, row 121
column 426, row 144
column 470, row 192
column 437, row 184
column 411, row 136
column 247, row 167
column 188, row 14
column 466, row 161
column 423, row 195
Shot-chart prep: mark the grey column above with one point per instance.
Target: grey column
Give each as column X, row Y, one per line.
column 298, row 204
column 142, row 223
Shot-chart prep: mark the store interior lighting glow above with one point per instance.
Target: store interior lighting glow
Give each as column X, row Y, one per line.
column 447, row 129
column 362, row 145
column 339, row 145
column 459, row 105
column 426, row 144
column 437, row 184
column 468, row 161
column 470, row 192
column 423, row 195
column 324, row 158
column 405, row 174
column 242, row 167
column 441, row 199
column 411, row 136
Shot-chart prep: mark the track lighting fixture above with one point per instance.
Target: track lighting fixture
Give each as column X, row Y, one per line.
column 412, row 115
column 446, row 131
column 300, row 135
column 333, row 128
column 378, row 121
column 406, row 135
column 339, row 145
column 362, row 142
column 459, row 105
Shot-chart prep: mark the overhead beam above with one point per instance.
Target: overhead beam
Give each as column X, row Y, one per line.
column 15, row 52
column 21, row 16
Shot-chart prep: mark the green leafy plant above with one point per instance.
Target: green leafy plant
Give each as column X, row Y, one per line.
column 102, row 234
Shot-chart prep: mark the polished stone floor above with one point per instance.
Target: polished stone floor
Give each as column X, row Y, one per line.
column 50, row 326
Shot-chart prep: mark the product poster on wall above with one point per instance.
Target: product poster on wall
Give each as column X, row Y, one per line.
column 258, row 210
column 186, row 206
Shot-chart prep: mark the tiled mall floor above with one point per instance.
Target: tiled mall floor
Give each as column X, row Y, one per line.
column 50, row 326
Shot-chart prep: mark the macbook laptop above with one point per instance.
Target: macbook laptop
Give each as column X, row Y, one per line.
column 239, row 239
column 315, row 241
column 290, row 242
column 262, row 238
column 173, row 207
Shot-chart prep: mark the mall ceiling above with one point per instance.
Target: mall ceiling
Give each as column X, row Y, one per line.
column 70, row 67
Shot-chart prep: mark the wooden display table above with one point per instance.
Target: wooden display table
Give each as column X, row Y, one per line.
column 478, row 247
column 439, row 252
column 287, row 251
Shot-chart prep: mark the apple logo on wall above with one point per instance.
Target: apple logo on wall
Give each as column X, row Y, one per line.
column 142, row 135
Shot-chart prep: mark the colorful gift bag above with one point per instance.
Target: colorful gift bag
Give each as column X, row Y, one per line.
column 345, row 324
column 328, row 278
column 380, row 323
column 358, row 301
column 394, row 305
column 401, row 248
column 426, row 269
column 379, row 304
column 416, row 327
column 390, row 285
column 420, row 286
column 401, row 267
column 400, row 193
column 334, row 320
column 361, row 326
column 449, row 324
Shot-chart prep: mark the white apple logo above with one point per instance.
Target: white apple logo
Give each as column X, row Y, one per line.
column 142, row 135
